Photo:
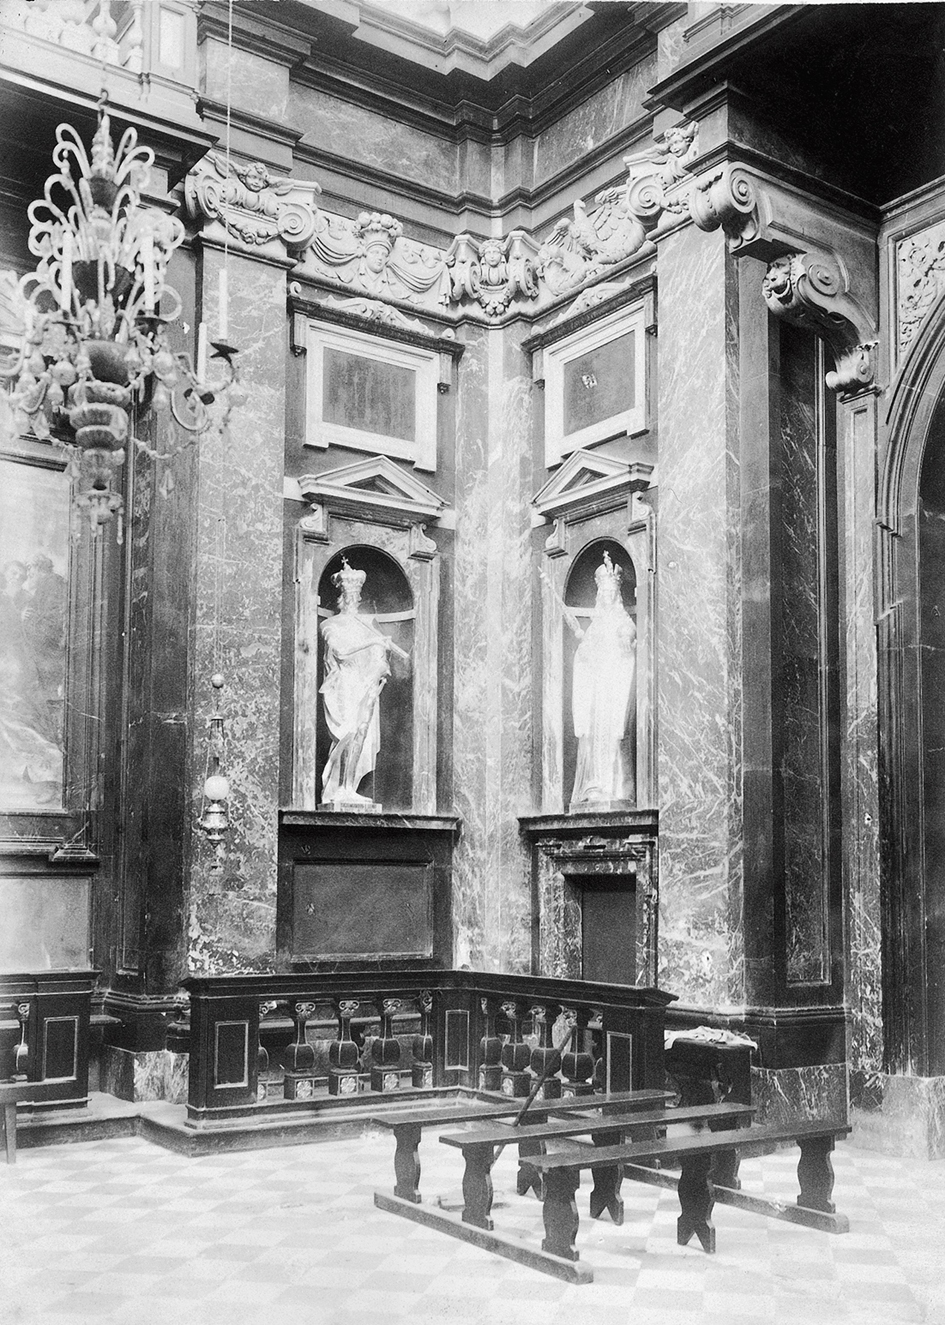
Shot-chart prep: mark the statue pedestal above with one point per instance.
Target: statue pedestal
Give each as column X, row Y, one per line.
column 351, row 807
column 599, row 807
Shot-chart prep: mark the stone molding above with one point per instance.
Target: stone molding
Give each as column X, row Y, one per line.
column 370, row 259
column 589, row 481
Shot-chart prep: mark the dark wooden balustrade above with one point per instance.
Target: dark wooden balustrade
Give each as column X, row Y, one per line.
column 384, row 1036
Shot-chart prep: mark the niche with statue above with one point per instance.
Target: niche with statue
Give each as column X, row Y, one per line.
column 364, row 720
column 364, row 725
column 599, row 680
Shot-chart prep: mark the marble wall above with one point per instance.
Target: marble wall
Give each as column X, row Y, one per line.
column 698, row 633
column 492, row 718
column 238, row 597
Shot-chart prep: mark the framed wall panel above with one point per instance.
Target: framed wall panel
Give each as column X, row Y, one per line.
column 595, row 383
column 371, row 394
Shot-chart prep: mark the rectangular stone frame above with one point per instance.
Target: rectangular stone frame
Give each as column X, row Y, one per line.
column 556, row 356
column 424, row 362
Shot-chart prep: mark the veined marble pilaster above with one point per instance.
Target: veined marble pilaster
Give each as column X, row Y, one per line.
column 699, row 635
column 859, row 770
column 491, row 638
column 238, row 591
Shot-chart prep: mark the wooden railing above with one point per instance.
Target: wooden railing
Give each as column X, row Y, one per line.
column 261, row 1046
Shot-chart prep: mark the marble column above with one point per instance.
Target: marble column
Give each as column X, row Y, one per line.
column 699, row 644
column 492, row 573
column 237, row 595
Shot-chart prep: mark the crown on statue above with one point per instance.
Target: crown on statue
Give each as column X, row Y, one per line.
column 608, row 571
column 377, row 228
column 348, row 579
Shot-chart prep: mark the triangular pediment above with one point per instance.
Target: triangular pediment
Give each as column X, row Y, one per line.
column 588, row 477
column 374, row 484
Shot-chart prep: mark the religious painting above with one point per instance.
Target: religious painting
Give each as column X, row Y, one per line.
column 34, row 600
column 595, row 385
column 371, row 394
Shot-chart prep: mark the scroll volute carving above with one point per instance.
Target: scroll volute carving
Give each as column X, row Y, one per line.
column 810, row 290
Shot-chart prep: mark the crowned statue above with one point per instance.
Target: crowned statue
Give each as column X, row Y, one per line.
column 356, row 671
column 601, row 697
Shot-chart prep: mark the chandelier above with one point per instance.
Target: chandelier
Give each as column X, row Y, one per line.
column 89, row 324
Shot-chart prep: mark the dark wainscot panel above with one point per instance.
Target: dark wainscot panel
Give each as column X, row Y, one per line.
column 358, row 889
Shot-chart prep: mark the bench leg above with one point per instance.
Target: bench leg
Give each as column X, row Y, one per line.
column 407, row 1164
column 696, row 1200
column 560, row 1213
column 815, row 1173
column 477, row 1186
column 606, row 1192
column 528, row 1178
column 9, row 1131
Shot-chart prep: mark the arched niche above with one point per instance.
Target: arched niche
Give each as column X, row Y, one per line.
column 579, row 597
column 619, row 519
column 911, row 644
column 388, row 602
column 401, row 585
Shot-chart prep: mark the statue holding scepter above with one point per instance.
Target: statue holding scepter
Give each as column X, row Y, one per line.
column 356, row 671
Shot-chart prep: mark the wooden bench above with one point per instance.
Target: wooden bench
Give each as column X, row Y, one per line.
column 407, row 1127
column 610, row 1157
column 562, row 1172
column 17, row 1092
column 478, row 1149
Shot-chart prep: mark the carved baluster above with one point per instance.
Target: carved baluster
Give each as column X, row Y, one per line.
column 300, row 1057
column 344, row 1056
column 490, row 1050
column 577, row 1065
column 544, row 1055
column 21, row 1060
column 262, row 1054
column 134, row 40
column 421, row 1074
column 516, row 1055
column 385, row 1050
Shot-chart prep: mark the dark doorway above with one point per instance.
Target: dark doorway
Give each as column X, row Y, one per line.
column 608, row 929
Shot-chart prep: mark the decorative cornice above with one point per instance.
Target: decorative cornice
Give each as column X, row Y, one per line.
column 810, row 289
column 259, row 210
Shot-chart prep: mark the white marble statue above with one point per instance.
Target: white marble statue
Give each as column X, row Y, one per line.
column 356, row 671
column 601, row 696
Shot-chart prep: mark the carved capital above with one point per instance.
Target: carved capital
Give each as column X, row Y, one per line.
column 253, row 206
column 727, row 200
column 810, row 290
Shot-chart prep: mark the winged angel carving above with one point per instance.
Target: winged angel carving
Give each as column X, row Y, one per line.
column 581, row 246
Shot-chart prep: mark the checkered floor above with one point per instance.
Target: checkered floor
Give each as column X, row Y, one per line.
column 122, row 1231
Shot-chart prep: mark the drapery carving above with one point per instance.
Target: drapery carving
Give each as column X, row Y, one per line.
column 371, row 254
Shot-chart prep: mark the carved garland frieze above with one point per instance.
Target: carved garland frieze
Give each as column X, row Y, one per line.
column 371, row 257
column 920, row 277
